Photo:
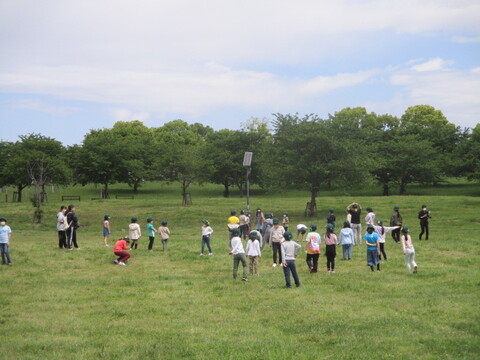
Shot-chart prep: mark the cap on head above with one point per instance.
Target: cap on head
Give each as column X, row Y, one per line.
column 355, row 206
column 330, row 227
column 126, row 238
column 379, row 222
column 268, row 215
column 405, row 229
column 313, row 227
column 424, row 206
column 370, row 227
column 285, row 213
column 106, row 216
column 369, row 208
column 149, row 219
column 346, row 223
column 276, row 221
column 259, row 209
column 3, row 219
column 205, row 221
column 233, row 212
column 134, row 219
column 396, row 208
column 236, row 232
column 164, row 223
column 252, row 235
column 287, row 235
column 331, row 211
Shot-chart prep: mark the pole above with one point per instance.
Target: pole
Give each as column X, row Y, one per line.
column 248, row 187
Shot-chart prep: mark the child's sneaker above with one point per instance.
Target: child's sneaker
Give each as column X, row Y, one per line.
column 210, row 254
column 244, row 279
column 415, row 269
column 201, row 254
column 116, row 261
column 274, row 265
column 122, row 263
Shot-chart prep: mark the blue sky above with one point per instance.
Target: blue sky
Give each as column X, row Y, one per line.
column 71, row 66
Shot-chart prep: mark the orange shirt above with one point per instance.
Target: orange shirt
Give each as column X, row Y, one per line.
column 120, row 245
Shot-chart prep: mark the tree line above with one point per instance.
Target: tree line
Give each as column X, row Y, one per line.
column 350, row 147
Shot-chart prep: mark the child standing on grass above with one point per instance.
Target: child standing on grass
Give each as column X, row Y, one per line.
column 253, row 252
column 314, row 241
column 285, row 220
column 151, row 232
column 347, row 240
column 331, row 218
column 396, row 220
column 238, row 254
column 290, row 250
column 408, row 251
column 330, row 248
column 382, row 232
column 372, row 241
column 134, row 232
column 206, row 233
column 119, row 250
column 164, row 232
column 370, row 217
column 5, row 238
column 106, row 229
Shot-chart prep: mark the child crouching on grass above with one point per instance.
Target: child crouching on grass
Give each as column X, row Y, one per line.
column 119, row 250
column 290, row 250
column 238, row 254
column 164, row 232
column 253, row 252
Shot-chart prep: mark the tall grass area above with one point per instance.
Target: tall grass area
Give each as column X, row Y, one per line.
column 60, row 304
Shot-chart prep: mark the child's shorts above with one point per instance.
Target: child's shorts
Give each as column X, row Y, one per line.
column 105, row 232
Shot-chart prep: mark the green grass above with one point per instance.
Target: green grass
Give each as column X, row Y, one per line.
column 59, row 304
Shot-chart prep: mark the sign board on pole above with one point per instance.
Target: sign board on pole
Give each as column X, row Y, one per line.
column 247, row 159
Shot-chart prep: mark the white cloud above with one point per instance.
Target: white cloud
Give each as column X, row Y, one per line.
column 119, row 114
column 432, row 65
column 41, row 106
column 190, row 91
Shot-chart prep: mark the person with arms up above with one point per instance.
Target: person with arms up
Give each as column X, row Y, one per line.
column 355, row 209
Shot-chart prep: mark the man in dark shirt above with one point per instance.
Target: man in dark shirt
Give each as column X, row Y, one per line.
column 355, row 209
column 424, row 215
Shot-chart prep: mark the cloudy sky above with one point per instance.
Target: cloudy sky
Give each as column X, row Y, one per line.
column 69, row 66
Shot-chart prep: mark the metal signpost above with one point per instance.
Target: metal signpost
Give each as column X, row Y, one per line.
column 247, row 162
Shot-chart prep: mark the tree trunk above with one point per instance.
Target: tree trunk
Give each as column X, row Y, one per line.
column 312, row 205
column 135, row 187
column 386, row 190
column 403, row 187
column 186, row 197
column 226, row 191
column 20, row 187
column 105, row 191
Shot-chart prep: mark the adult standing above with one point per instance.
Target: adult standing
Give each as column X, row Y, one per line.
column 355, row 209
column 396, row 220
column 275, row 241
column 424, row 215
column 62, row 236
column 259, row 220
column 314, row 241
column 243, row 223
column 267, row 227
column 72, row 229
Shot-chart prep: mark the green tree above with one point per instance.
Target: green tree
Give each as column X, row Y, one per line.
column 37, row 160
column 307, row 153
column 468, row 155
column 182, row 154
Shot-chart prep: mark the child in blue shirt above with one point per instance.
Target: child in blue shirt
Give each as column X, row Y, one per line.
column 372, row 241
column 151, row 231
column 5, row 237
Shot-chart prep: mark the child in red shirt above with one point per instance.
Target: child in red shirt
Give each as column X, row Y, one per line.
column 119, row 250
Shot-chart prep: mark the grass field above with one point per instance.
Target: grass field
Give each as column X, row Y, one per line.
column 59, row 304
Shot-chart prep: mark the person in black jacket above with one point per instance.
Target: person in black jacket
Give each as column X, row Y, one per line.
column 424, row 215
column 72, row 221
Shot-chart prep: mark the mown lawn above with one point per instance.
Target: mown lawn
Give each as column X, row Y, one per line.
column 59, row 304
